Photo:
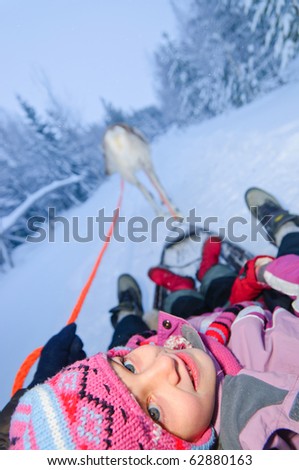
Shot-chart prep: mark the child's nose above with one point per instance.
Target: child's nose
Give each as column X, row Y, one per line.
column 163, row 372
column 165, row 369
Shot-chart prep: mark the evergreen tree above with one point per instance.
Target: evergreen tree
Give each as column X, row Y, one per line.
column 55, row 152
column 149, row 120
column 202, row 72
column 275, row 23
column 225, row 54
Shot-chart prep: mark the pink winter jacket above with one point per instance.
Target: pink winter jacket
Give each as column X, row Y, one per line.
column 260, row 406
column 259, row 402
column 263, row 412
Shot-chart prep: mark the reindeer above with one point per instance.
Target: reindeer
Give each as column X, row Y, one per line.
column 127, row 151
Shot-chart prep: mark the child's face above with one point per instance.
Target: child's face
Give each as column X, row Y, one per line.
column 176, row 388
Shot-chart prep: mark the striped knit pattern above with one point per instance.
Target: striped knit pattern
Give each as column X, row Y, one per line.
column 220, row 328
column 86, row 406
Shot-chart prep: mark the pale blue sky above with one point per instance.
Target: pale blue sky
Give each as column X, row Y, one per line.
column 87, row 49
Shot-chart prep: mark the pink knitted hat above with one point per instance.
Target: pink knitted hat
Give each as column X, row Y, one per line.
column 86, row 406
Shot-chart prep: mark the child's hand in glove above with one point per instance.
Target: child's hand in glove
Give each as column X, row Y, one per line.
column 60, row 351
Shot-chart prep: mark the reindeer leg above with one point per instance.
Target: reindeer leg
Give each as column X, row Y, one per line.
column 162, row 193
column 148, row 196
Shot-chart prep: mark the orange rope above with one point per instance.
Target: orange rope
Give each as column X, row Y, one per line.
column 34, row 355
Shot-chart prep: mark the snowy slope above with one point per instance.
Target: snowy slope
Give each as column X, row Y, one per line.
column 206, row 167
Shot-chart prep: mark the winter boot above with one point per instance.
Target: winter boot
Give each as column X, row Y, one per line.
column 169, row 280
column 129, row 298
column 265, row 208
column 210, row 255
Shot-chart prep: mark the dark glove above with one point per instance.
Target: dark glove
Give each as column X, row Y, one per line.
column 60, row 351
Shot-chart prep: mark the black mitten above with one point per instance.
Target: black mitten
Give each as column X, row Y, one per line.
column 60, row 351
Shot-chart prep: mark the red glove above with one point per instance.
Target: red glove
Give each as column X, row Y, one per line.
column 246, row 286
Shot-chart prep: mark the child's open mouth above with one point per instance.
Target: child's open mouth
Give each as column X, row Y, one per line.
column 191, row 368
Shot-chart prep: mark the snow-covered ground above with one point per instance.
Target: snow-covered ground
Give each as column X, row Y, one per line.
column 206, row 167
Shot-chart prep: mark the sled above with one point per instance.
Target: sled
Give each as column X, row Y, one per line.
column 182, row 255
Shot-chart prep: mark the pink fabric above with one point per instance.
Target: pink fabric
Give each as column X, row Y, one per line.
column 282, row 274
column 285, row 268
column 86, row 406
column 266, row 345
column 263, row 341
column 170, row 325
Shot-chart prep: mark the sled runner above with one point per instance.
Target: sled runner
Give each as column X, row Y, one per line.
column 182, row 255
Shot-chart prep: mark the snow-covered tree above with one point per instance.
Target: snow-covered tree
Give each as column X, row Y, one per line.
column 225, row 53
column 149, row 120
column 275, row 23
column 55, row 158
column 203, row 70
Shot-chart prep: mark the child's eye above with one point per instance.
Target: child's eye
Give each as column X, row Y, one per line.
column 154, row 412
column 128, row 365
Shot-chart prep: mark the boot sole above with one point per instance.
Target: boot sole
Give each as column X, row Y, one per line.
column 129, row 282
column 255, row 197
